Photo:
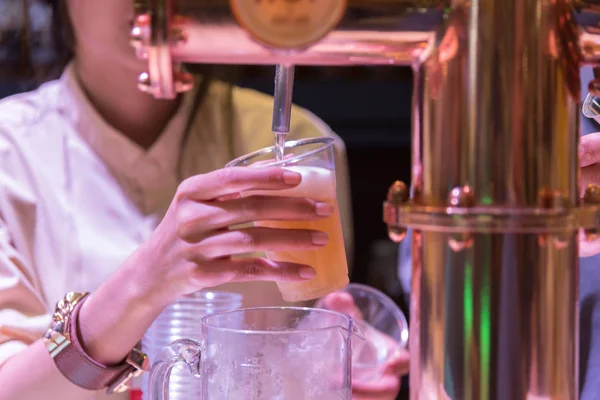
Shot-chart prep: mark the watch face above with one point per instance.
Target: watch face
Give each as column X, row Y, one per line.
column 288, row 24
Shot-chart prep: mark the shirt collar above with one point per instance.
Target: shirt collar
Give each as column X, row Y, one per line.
column 119, row 152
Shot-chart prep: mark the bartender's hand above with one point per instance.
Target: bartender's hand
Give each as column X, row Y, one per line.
column 387, row 386
column 192, row 248
column 589, row 157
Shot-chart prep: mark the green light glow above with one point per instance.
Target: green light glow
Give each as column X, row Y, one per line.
column 485, row 326
column 467, row 318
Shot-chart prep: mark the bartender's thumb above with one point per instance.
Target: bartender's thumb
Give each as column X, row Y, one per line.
column 589, row 149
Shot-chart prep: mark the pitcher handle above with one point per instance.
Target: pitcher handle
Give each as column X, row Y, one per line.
column 183, row 350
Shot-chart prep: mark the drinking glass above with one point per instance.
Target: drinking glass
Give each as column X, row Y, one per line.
column 591, row 106
column 314, row 160
column 381, row 322
column 183, row 319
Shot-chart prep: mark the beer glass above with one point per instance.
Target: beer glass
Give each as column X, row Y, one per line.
column 314, row 159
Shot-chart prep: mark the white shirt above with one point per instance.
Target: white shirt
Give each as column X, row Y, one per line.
column 77, row 197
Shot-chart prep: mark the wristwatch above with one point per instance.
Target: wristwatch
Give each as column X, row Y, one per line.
column 62, row 342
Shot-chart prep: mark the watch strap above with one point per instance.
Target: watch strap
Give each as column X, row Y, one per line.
column 83, row 371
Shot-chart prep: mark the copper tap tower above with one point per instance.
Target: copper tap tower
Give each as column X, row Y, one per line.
column 496, row 205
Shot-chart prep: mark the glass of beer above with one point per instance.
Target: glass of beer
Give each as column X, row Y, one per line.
column 314, row 159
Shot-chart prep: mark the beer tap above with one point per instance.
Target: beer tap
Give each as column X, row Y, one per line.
column 282, row 106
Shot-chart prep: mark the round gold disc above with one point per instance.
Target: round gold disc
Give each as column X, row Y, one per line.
column 288, row 24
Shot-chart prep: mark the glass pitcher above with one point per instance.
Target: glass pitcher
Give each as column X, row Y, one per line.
column 183, row 319
column 267, row 353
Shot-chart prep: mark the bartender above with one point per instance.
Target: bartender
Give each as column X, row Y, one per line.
column 104, row 189
column 589, row 285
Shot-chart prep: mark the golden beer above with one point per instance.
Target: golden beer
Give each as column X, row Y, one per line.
column 328, row 261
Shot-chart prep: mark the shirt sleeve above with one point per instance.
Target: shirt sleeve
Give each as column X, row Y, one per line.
column 23, row 314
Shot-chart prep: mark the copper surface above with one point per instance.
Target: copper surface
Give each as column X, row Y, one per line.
column 495, row 203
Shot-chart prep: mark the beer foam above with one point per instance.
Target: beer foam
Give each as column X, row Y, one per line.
column 317, row 183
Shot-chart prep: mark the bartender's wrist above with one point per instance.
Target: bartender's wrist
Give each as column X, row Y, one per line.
column 113, row 320
column 78, row 365
column 98, row 339
column 146, row 288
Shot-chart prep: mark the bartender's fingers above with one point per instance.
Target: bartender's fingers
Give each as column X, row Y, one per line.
column 227, row 181
column 385, row 388
column 252, row 240
column 196, row 218
column 399, row 365
column 589, row 149
column 250, row 269
column 588, row 247
column 344, row 303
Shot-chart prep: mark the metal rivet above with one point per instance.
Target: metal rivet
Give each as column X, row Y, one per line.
column 398, row 194
column 177, row 36
column 144, row 83
column 592, row 197
column 136, row 37
column 461, row 197
column 592, row 194
column 396, row 234
column 139, row 34
column 460, row 242
column 552, row 199
column 183, row 81
column 594, row 87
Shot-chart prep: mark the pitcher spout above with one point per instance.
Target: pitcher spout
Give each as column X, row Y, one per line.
column 353, row 330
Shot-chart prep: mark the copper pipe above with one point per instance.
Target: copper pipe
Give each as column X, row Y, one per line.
column 495, row 199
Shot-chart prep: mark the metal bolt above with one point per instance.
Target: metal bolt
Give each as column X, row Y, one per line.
column 592, row 194
column 592, row 197
column 144, row 83
column 461, row 196
column 561, row 241
column 136, row 37
column 396, row 234
column 140, row 31
column 548, row 198
column 553, row 199
column 398, row 194
column 184, row 81
column 460, row 242
column 177, row 37
column 594, row 87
